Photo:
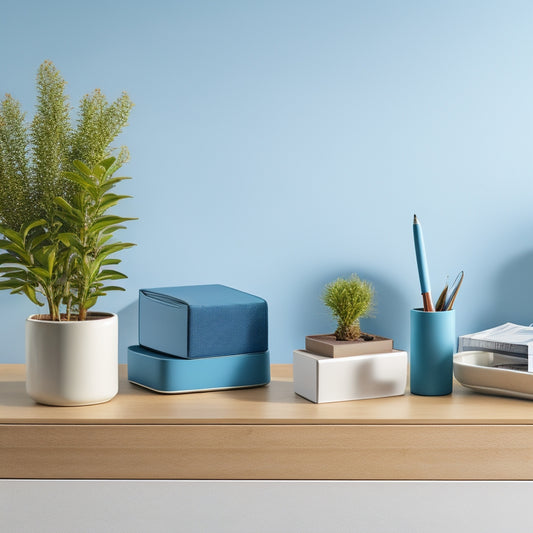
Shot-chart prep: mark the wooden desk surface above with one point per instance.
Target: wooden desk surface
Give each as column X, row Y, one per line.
column 264, row 433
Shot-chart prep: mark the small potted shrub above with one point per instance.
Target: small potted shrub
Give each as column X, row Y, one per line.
column 349, row 300
column 56, row 182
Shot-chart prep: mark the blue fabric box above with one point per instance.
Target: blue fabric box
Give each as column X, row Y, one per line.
column 166, row 374
column 202, row 321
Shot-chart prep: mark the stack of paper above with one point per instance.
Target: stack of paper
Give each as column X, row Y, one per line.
column 507, row 339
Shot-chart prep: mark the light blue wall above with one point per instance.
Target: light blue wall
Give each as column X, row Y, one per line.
column 277, row 145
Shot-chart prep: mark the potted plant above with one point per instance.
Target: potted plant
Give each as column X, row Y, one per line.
column 349, row 300
column 56, row 182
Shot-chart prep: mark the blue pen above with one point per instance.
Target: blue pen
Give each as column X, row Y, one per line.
column 422, row 266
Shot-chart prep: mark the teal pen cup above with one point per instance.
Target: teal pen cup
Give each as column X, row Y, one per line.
column 431, row 354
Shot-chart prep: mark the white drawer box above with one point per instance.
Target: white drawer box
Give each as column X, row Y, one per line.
column 326, row 379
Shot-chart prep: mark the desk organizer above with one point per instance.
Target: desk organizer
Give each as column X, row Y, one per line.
column 166, row 374
column 324, row 379
column 432, row 347
column 202, row 321
column 494, row 373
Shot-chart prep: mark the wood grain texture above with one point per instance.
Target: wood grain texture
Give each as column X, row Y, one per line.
column 264, row 433
column 267, row 452
column 274, row 404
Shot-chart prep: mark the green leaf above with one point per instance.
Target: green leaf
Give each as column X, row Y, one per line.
column 40, row 257
column 29, row 291
column 112, row 288
column 109, row 249
column 36, row 224
column 19, row 252
column 106, row 262
column 36, row 241
column 104, row 237
column 64, row 238
column 106, row 163
column 69, row 214
column 112, row 229
column 61, row 202
column 82, row 167
column 18, row 290
column 14, row 236
column 51, row 262
column 85, row 269
column 20, row 280
column 7, row 258
column 14, row 270
column 40, row 273
column 90, row 302
column 79, row 179
column 98, row 172
column 109, row 200
column 10, row 284
column 70, row 239
column 109, row 184
column 110, row 274
column 107, row 221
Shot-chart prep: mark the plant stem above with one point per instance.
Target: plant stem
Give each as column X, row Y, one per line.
column 348, row 332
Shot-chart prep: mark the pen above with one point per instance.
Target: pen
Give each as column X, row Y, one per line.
column 453, row 292
column 422, row 266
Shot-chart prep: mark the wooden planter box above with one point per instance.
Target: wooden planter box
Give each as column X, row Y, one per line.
column 328, row 346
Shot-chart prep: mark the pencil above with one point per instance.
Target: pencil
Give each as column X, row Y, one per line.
column 421, row 261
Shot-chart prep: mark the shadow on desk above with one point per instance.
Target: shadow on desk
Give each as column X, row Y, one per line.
column 277, row 391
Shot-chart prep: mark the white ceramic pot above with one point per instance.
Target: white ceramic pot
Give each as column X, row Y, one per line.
column 72, row 363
